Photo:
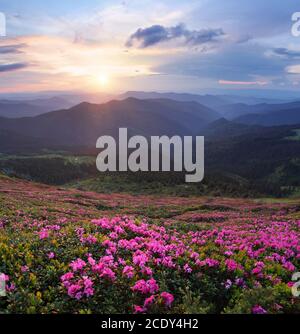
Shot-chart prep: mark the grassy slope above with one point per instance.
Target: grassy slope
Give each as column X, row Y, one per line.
column 40, row 200
column 25, row 205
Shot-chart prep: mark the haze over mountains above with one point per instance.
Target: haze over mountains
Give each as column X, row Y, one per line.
column 84, row 123
column 33, row 122
column 30, row 108
column 243, row 148
column 209, row 100
column 229, row 104
column 272, row 118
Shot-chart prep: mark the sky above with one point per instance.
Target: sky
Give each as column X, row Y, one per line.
column 114, row 46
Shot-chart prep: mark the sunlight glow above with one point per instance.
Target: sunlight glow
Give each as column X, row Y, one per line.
column 103, row 79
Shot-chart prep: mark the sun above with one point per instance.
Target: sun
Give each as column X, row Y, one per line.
column 103, row 79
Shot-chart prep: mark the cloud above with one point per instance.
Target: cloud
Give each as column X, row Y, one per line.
column 244, row 39
column 234, row 62
column 252, row 51
column 293, row 69
column 156, row 34
column 260, row 19
column 286, row 53
column 12, row 67
column 15, row 48
column 243, row 83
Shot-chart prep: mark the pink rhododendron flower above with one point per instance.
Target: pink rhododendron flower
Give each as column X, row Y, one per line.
column 153, row 286
column 73, row 291
column 51, row 255
column 146, row 287
column 77, row 265
column 67, row 277
column 147, row 271
column 232, row 265
column 10, row 287
column 24, row 269
column 149, row 301
column 140, row 258
column 88, row 286
column 289, row 266
column 257, row 309
column 44, row 234
column 187, row 268
column 128, row 271
column 139, row 309
column 108, row 274
column 168, row 298
column 228, row 284
column 208, row 262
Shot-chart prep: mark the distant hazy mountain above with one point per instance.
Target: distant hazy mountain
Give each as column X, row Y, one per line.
column 18, row 109
column 271, row 118
column 232, row 111
column 30, row 108
column 222, row 128
column 84, row 123
column 211, row 101
column 52, row 103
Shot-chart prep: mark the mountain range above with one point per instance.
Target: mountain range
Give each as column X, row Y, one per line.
column 30, row 108
column 82, row 124
column 271, row 118
column 247, row 148
column 230, row 106
column 180, row 114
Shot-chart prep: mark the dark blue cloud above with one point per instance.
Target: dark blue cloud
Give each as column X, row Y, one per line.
column 15, row 48
column 157, row 33
column 287, row 53
column 12, row 67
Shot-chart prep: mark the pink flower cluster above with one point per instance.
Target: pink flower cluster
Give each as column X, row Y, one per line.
column 166, row 298
column 133, row 252
column 9, row 286
column 146, row 287
column 78, row 288
column 85, row 239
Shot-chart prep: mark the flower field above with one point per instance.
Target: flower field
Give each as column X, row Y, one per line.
column 67, row 251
